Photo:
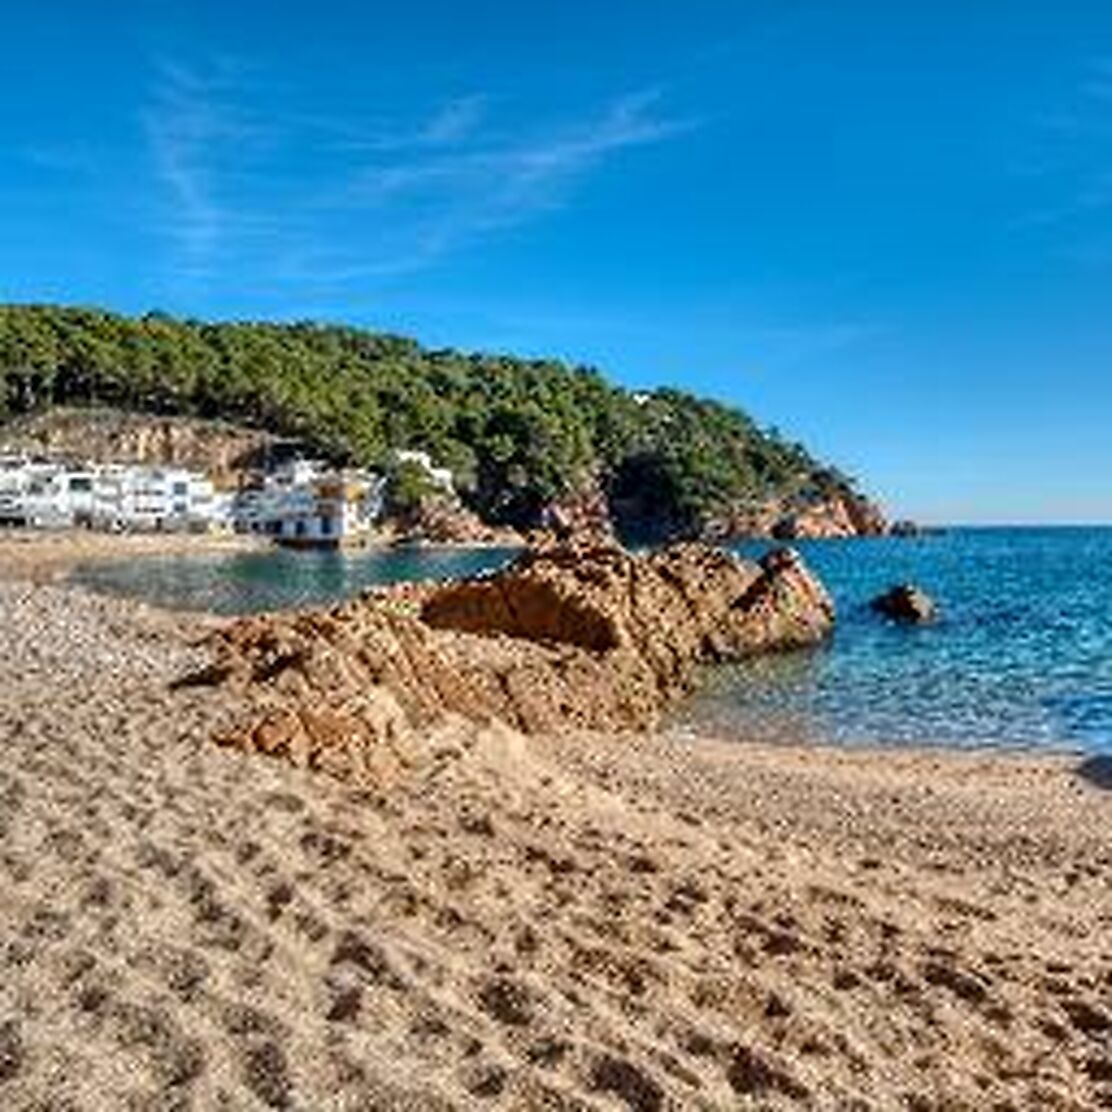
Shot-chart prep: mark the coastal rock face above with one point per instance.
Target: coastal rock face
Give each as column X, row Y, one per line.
column 586, row 637
column 448, row 521
column 906, row 603
column 672, row 608
column 116, row 436
column 833, row 517
column 584, row 515
column 804, row 519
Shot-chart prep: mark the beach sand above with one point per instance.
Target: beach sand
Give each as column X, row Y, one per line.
column 561, row 922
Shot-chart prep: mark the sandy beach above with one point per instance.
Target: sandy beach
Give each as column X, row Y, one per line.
column 572, row 921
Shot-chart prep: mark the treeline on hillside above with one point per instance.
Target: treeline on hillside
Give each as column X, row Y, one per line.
column 518, row 434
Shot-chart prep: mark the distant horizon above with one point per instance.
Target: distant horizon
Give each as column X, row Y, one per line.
column 845, row 222
column 1014, row 524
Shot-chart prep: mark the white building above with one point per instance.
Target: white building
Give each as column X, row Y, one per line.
column 13, row 488
column 438, row 476
column 306, row 503
column 48, row 494
column 56, row 496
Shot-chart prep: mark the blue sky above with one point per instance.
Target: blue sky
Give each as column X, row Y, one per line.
column 884, row 228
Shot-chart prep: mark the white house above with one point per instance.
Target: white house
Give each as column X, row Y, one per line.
column 438, row 476
column 315, row 506
column 49, row 494
column 56, row 496
column 306, row 502
column 13, row 489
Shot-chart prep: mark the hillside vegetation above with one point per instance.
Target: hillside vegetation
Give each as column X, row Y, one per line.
column 518, row 434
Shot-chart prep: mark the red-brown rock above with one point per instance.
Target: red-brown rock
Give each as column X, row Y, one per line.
column 565, row 636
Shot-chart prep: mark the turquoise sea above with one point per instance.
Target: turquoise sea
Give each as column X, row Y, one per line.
column 1021, row 656
column 280, row 578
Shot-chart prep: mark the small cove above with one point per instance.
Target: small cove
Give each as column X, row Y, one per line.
column 1021, row 656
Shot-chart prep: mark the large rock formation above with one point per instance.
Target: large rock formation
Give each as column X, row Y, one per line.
column 838, row 516
column 445, row 520
column 564, row 636
column 797, row 518
column 670, row 609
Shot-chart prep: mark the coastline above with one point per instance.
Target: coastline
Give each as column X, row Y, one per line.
column 569, row 920
column 50, row 556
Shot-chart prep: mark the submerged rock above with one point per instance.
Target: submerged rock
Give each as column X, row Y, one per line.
column 565, row 636
column 906, row 603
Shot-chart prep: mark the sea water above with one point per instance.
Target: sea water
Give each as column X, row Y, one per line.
column 1021, row 654
column 280, row 578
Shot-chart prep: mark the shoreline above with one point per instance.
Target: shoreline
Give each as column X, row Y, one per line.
column 678, row 728
column 51, row 555
column 566, row 920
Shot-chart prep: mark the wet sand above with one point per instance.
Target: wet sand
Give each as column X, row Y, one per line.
column 564, row 922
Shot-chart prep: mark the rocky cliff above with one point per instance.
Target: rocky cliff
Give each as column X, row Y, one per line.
column 565, row 636
column 444, row 519
column 110, row 435
column 796, row 518
column 597, row 509
column 840, row 515
column 583, row 513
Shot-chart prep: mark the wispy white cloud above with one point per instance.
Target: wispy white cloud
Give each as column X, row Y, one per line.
column 451, row 123
column 327, row 199
column 195, row 132
column 451, row 199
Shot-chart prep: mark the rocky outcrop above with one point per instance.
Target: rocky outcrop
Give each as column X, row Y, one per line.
column 841, row 515
column 914, row 529
column 567, row 636
column 672, row 609
column 838, row 516
column 906, row 603
column 582, row 515
column 865, row 516
column 904, row 528
column 445, row 520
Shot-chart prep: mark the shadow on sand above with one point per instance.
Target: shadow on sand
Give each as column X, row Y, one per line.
column 1097, row 771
